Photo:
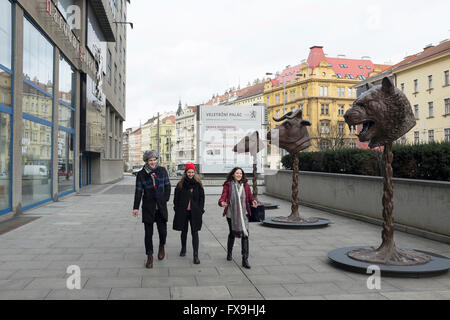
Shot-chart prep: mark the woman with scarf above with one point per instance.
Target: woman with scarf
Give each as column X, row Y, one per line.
column 189, row 203
column 153, row 188
column 236, row 198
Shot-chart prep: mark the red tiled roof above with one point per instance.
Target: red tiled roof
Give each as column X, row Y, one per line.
column 427, row 53
column 251, row 90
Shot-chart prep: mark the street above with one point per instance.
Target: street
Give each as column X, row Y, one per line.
column 96, row 231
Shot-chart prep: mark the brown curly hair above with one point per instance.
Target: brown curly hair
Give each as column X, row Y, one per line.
column 231, row 173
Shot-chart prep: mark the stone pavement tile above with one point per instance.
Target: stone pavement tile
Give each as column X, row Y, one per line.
column 274, row 279
column 228, row 270
column 5, row 274
column 102, row 256
column 39, row 273
column 193, row 271
column 113, row 282
column 299, row 260
column 222, row 280
column 292, row 269
column 220, row 261
column 50, row 283
column 323, row 277
column 63, row 264
column 360, row 286
column 172, row 281
column 169, row 262
column 365, row 296
column 444, row 294
column 298, row 298
column 312, row 289
column 258, row 261
column 107, row 264
column 140, row 294
column 23, row 294
column 413, row 295
column 156, row 271
column 57, row 257
column 99, row 272
column 420, row 284
column 240, row 291
column 202, row 293
column 15, row 284
column 17, row 257
column 255, row 270
column 14, row 265
column 82, row 294
column 272, row 291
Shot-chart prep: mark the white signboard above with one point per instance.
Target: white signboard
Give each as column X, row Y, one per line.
column 220, row 128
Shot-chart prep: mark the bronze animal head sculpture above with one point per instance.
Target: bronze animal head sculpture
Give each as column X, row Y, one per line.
column 250, row 143
column 385, row 113
column 291, row 135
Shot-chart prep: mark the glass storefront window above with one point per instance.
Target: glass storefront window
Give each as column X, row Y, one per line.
column 5, row 88
column 37, row 58
column 36, row 103
column 5, row 33
column 5, row 142
column 66, row 82
column 37, row 162
column 65, row 162
column 66, row 117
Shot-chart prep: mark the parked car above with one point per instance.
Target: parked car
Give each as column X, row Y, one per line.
column 180, row 172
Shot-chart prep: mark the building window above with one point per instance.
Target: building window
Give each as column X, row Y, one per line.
column 430, row 109
column 268, row 101
column 115, row 78
column 108, row 71
column 5, row 158
column 402, row 87
column 447, row 105
column 5, row 35
column 341, row 128
column 416, row 137
column 65, row 162
column 111, row 116
column 446, row 78
column 416, row 111
column 430, row 135
column 339, row 75
column 349, row 92
column 447, row 135
column 324, row 127
column 341, row 110
column 416, row 86
column 430, row 82
column 324, row 109
column 323, row 91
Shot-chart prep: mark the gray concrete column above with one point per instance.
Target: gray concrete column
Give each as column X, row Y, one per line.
column 55, row 122
column 17, row 100
column 77, row 157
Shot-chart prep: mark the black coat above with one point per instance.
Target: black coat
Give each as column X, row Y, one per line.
column 180, row 202
column 152, row 196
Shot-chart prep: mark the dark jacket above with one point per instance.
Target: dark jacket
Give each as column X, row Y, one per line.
column 226, row 196
column 152, row 196
column 180, row 202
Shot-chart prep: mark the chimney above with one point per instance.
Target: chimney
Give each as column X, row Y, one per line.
column 428, row 46
column 341, row 55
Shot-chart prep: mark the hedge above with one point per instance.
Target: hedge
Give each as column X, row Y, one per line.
column 422, row 161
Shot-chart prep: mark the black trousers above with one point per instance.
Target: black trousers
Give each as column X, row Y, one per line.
column 195, row 240
column 162, row 231
column 244, row 242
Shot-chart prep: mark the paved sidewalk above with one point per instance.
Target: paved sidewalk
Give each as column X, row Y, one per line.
column 96, row 231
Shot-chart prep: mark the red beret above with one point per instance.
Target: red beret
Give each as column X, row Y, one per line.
column 189, row 165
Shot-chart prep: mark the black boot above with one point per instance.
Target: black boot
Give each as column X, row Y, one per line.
column 245, row 252
column 183, row 245
column 195, row 244
column 230, row 244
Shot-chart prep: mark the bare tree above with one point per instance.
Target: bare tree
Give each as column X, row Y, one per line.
column 330, row 136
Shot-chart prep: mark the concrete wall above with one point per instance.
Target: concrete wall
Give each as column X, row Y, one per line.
column 420, row 206
column 110, row 171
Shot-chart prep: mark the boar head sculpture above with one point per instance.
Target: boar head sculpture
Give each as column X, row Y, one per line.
column 385, row 113
column 292, row 134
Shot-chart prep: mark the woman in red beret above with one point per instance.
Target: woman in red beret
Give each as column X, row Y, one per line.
column 189, row 203
column 237, row 198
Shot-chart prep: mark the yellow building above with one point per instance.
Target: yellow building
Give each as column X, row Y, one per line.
column 425, row 80
column 167, row 139
column 323, row 88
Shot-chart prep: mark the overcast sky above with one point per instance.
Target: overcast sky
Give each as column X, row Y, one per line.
column 192, row 49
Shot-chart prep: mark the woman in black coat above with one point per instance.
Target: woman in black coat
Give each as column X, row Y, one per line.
column 189, row 203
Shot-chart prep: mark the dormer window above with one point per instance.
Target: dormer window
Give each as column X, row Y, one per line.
column 368, row 67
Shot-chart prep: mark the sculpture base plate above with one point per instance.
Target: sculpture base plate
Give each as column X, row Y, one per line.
column 268, row 205
column 296, row 225
column 437, row 265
